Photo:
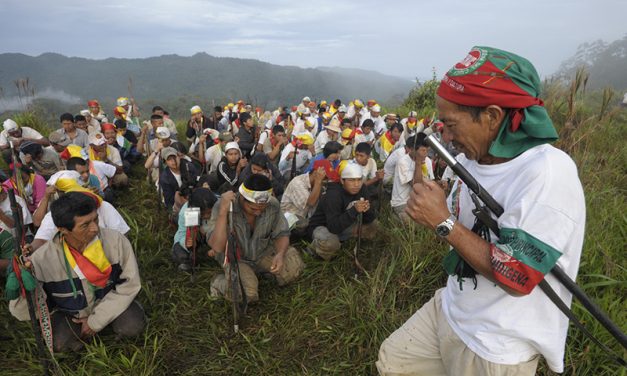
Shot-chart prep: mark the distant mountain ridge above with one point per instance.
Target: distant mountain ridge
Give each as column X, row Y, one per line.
column 606, row 63
column 168, row 77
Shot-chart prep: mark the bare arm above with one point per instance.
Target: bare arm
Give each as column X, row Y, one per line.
column 42, row 209
column 7, row 220
column 314, row 196
column 217, row 240
column 427, row 206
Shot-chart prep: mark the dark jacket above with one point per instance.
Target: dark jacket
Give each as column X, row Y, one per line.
column 206, row 123
column 169, row 185
column 332, row 211
column 278, row 181
column 227, row 178
column 246, row 140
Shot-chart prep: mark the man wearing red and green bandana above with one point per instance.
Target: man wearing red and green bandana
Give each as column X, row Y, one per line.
column 490, row 319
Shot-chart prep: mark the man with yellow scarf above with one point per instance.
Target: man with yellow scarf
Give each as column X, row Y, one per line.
column 89, row 275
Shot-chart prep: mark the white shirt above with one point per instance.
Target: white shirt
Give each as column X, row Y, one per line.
column 302, row 158
column 379, row 125
column 178, row 178
column 390, row 165
column 108, row 217
column 403, row 175
column 27, row 132
column 5, row 206
column 362, row 137
column 321, row 140
column 213, row 155
column 103, row 172
column 369, row 171
column 541, row 194
column 114, row 155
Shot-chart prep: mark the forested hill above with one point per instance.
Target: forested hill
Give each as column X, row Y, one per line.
column 201, row 75
column 606, row 63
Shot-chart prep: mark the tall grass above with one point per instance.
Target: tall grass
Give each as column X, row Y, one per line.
column 327, row 322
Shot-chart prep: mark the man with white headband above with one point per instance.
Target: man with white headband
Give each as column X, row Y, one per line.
column 262, row 236
column 335, row 218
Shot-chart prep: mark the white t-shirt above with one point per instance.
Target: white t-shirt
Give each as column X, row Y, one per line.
column 178, row 178
column 114, row 156
column 361, row 137
column 213, row 156
column 108, row 217
column 264, row 140
column 541, row 194
column 379, row 125
column 369, row 171
column 390, row 165
column 321, row 140
column 5, row 206
column 302, row 158
column 403, row 175
column 103, row 172
column 27, row 132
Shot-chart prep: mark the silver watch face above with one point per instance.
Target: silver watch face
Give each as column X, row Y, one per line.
column 442, row 230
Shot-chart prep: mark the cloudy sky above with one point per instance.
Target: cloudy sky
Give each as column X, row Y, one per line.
column 403, row 38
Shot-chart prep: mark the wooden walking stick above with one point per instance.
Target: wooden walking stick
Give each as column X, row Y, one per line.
column 357, row 265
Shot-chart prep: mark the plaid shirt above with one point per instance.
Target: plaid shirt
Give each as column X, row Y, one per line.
column 295, row 197
column 269, row 226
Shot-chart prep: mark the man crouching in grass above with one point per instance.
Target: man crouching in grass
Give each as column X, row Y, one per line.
column 262, row 236
column 89, row 275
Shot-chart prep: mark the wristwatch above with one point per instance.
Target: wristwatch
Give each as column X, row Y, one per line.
column 445, row 228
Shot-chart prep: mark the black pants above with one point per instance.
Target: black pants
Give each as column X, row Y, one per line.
column 66, row 333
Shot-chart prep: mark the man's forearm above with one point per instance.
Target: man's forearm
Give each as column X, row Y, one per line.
column 217, row 241
column 40, row 141
column 7, row 220
column 475, row 251
column 281, row 244
column 312, row 200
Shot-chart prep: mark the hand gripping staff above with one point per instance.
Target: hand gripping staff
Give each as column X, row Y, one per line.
column 238, row 295
column 357, row 265
column 558, row 273
column 29, row 290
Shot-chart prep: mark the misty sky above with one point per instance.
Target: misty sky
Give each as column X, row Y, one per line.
column 402, row 38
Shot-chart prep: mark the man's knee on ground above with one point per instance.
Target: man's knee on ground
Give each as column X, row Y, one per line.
column 119, row 180
column 66, row 333
column 131, row 322
column 326, row 244
column 293, row 266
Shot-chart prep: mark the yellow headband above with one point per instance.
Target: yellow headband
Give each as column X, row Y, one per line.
column 257, row 197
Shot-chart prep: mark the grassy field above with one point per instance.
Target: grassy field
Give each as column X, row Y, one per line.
column 327, row 322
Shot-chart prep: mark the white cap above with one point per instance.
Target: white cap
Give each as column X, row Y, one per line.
column 375, row 108
column 352, row 171
column 162, row 132
column 9, row 125
column 306, row 99
column 85, row 113
column 231, row 145
column 97, row 139
column 342, row 108
column 195, row 110
column 122, row 101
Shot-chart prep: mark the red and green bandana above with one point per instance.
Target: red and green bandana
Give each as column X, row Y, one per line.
column 520, row 261
column 488, row 76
